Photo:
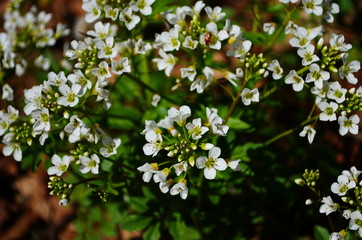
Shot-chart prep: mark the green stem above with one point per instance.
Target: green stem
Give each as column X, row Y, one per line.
column 281, row 29
column 283, row 134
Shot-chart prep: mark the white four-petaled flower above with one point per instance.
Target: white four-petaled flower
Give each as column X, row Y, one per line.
column 211, row 163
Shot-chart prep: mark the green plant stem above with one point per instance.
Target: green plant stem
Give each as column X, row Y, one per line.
column 233, row 105
column 149, row 88
column 281, row 29
column 283, row 134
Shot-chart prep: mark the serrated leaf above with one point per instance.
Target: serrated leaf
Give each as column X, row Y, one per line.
column 321, row 233
column 153, row 232
column 135, row 222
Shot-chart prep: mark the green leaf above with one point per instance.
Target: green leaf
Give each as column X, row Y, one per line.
column 153, row 232
column 177, row 229
column 241, row 152
column 112, row 191
column 238, row 124
column 120, row 124
column 321, row 233
column 135, row 222
column 139, row 204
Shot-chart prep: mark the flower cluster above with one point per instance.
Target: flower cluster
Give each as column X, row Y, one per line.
column 128, row 13
column 24, row 33
column 348, row 189
column 324, row 68
column 189, row 32
column 187, row 144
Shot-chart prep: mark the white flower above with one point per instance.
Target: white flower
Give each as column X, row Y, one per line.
column 196, row 129
column 215, row 14
column 144, row 6
column 148, row 171
column 317, row 76
column 33, row 98
column 313, row 6
column 269, row 28
column 347, row 214
column 356, row 222
column 308, row 131
column 215, row 121
column 89, row 164
column 128, row 18
column 274, row 66
column 57, row 80
column 77, row 77
column 167, row 62
column 165, row 186
column 180, row 188
column 213, row 37
column 248, row 96
column 342, row 186
column 120, row 67
column 337, row 42
column 336, row 236
column 167, row 123
column 111, row 13
column 232, row 30
column 13, row 148
column 106, row 49
column 336, row 92
column 202, row 81
column 352, row 174
column 42, row 118
column 170, row 40
column 211, row 163
column 189, row 43
column 8, row 93
column 154, row 144
column 102, row 71
column 69, row 97
column 328, row 206
column 189, row 72
column 60, row 165
column 100, row 31
column 241, row 48
column 330, row 8
column 179, row 115
column 307, row 53
column 180, row 168
column 348, row 124
column 348, row 68
column 142, row 47
column 155, row 100
column 92, row 9
column 303, row 36
column 295, row 79
column 150, row 125
column 110, row 146
column 328, row 111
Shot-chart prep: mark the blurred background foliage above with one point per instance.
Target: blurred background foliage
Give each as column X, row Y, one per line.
column 260, row 202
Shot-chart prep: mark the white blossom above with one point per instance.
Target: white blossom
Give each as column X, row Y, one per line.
column 89, row 164
column 348, row 124
column 328, row 206
column 60, row 165
column 211, row 163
